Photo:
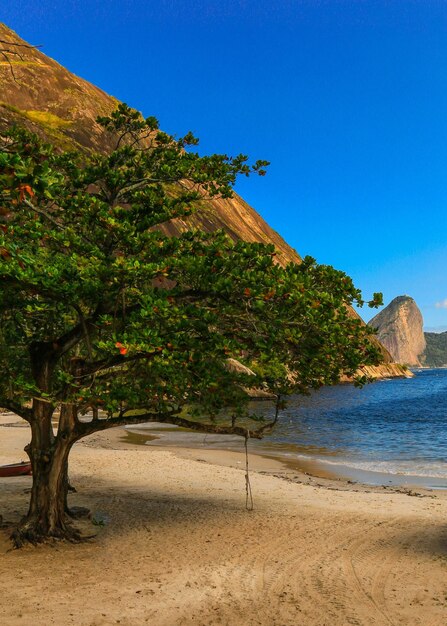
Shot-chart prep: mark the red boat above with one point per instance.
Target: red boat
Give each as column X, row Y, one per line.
column 15, row 469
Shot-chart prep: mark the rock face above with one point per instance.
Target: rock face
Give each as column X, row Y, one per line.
column 399, row 328
column 62, row 108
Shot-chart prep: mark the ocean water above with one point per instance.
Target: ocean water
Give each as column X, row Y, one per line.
column 396, row 427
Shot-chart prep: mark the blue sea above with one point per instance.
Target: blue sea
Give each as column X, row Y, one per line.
column 397, row 427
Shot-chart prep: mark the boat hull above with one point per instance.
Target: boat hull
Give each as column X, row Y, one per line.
column 15, row 469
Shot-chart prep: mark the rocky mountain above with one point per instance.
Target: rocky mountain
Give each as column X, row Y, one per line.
column 400, row 329
column 62, row 108
column 37, row 92
column 435, row 354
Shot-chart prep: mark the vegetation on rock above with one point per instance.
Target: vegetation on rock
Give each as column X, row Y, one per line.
column 435, row 354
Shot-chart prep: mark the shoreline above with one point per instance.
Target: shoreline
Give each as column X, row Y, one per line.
column 317, row 468
column 175, row 544
column 262, row 460
column 299, row 471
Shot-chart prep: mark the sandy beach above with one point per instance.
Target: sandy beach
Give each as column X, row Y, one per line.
column 175, row 545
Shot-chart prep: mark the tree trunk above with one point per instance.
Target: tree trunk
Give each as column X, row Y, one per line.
column 49, row 458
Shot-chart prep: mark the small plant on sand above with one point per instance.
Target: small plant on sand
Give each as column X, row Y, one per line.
column 105, row 320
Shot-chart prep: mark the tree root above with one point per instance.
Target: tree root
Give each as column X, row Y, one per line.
column 30, row 531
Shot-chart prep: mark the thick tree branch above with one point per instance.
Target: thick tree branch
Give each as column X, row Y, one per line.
column 17, row 408
column 22, row 285
column 44, row 214
column 257, row 433
column 97, row 425
column 104, row 364
column 172, row 417
column 85, row 330
column 73, row 336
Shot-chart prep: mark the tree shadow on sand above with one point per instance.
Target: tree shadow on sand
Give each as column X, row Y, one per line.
column 116, row 510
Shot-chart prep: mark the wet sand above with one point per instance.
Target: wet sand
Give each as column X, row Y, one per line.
column 188, row 445
column 176, row 546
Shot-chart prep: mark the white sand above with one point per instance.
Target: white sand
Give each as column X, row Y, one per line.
column 179, row 548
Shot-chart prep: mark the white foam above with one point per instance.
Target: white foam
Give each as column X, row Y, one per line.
column 397, row 468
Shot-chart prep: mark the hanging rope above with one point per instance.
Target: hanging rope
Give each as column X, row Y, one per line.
column 248, row 494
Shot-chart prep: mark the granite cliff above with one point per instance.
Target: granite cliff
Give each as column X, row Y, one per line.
column 62, row 108
column 399, row 329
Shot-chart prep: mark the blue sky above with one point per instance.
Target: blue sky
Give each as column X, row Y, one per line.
column 347, row 99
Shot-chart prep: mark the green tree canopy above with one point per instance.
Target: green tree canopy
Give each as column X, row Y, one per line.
column 105, row 320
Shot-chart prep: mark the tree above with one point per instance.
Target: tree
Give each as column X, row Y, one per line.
column 105, row 320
